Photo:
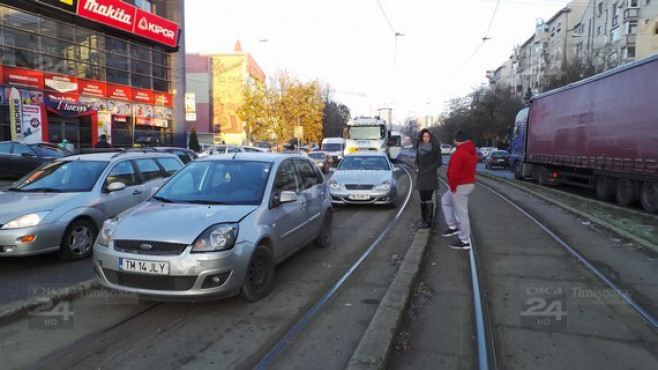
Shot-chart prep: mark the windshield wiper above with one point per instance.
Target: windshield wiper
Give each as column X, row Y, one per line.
column 43, row 189
column 163, row 199
column 197, row 201
column 15, row 189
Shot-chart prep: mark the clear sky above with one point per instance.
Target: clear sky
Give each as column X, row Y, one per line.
column 349, row 44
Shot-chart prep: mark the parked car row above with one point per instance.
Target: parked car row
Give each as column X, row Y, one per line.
column 119, row 205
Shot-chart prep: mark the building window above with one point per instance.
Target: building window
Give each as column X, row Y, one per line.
column 615, row 35
column 147, row 5
column 631, row 27
column 600, row 9
column 598, row 30
column 647, row 2
column 633, row 3
column 629, row 52
column 51, row 46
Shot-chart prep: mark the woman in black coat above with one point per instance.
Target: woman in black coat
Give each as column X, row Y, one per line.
column 428, row 160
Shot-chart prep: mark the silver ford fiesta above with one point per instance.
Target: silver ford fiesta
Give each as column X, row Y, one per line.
column 217, row 228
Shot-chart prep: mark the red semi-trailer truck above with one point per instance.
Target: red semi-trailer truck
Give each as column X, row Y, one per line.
column 600, row 133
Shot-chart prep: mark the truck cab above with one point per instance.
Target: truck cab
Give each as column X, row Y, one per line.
column 518, row 143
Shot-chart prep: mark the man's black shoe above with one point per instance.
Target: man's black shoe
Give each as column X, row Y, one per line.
column 460, row 245
column 450, row 232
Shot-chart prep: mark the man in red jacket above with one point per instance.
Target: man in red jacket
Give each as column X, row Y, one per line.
column 461, row 179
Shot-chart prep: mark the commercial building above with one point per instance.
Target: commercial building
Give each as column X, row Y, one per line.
column 76, row 69
column 216, row 81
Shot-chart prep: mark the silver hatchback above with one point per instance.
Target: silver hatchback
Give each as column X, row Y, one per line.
column 217, row 228
column 60, row 206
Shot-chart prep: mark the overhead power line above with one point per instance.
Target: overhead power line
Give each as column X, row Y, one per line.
column 386, row 17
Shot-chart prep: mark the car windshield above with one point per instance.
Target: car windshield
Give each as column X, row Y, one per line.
column 217, row 182
column 332, row 147
column 62, row 177
column 367, row 132
column 316, row 155
column 364, row 163
column 44, row 150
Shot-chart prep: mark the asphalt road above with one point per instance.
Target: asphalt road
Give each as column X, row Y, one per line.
column 113, row 333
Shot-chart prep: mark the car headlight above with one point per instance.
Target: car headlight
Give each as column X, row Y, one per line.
column 383, row 186
column 32, row 219
column 105, row 235
column 334, row 185
column 216, row 238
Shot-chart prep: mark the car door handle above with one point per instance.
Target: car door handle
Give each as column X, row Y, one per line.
column 137, row 191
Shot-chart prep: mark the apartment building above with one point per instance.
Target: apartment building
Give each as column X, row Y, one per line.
column 616, row 32
column 601, row 33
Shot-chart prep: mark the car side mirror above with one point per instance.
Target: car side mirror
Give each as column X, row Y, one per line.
column 287, row 197
column 25, row 154
column 116, row 186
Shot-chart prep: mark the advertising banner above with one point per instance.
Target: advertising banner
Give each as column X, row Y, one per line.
column 119, row 108
column 142, row 121
column 113, row 13
column 166, row 100
column 68, row 5
column 31, row 97
column 118, row 92
column 117, row 14
column 52, row 99
column 143, row 111
column 163, row 112
column 143, row 96
column 227, row 82
column 91, row 88
column 160, row 122
column 94, row 103
column 63, row 84
column 156, row 28
column 32, row 124
column 15, row 114
column 104, row 120
column 22, row 78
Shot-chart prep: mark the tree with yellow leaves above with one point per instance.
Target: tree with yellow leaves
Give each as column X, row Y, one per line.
column 275, row 110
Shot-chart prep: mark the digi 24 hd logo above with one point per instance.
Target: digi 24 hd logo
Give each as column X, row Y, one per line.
column 544, row 306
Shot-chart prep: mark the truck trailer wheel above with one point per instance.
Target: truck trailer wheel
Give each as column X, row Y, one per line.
column 604, row 187
column 649, row 196
column 518, row 171
column 542, row 176
column 626, row 193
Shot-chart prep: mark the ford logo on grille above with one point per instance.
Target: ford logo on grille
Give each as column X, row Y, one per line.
column 359, row 187
column 146, row 247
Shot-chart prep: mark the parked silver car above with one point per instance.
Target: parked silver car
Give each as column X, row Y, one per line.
column 231, row 149
column 364, row 178
column 216, row 228
column 60, row 206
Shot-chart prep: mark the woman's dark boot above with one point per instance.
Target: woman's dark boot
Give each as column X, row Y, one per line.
column 423, row 215
column 430, row 213
column 426, row 223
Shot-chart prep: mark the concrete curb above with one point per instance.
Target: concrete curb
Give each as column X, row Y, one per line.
column 24, row 305
column 596, row 220
column 373, row 349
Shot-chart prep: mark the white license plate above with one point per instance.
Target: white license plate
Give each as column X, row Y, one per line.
column 359, row 196
column 144, row 267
